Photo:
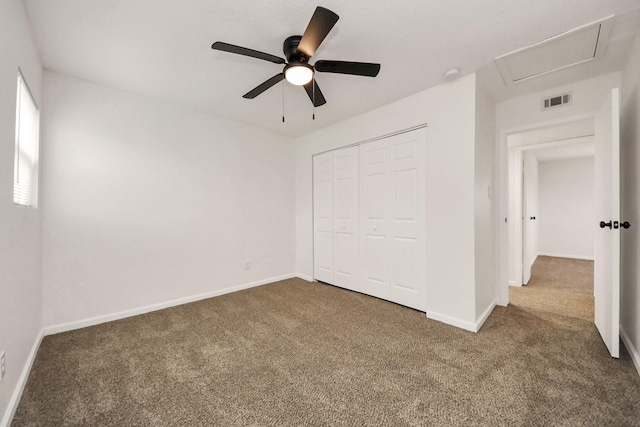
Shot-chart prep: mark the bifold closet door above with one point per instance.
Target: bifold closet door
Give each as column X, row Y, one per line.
column 407, row 219
column 369, row 218
column 392, row 219
column 345, row 217
column 374, row 218
column 323, row 217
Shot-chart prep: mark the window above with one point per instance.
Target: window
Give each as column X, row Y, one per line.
column 25, row 172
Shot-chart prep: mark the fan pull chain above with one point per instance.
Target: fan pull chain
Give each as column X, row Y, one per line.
column 283, row 101
column 313, row 101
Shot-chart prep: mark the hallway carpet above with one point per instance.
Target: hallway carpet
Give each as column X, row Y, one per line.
column 558, row 285
column 294, row 353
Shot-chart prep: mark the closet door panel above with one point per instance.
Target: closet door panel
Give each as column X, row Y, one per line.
column 323, row 252
column 376, row 265
column 404, row 268
column 345, row 219
column 406, row 219
column 374, row 255
column 345, row 260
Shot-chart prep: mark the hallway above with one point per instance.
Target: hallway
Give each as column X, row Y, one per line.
column 561, row 286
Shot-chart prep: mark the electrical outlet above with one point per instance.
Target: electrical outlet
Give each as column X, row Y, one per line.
column 1, row 365
column 247, row 265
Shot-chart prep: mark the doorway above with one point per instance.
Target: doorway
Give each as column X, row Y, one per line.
column 550, row 196
column 553, row 187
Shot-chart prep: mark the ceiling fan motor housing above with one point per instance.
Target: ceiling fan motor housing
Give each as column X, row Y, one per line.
column 290, row 49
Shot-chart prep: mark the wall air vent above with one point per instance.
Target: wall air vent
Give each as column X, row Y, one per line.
column 564, row 50
column 556, row 101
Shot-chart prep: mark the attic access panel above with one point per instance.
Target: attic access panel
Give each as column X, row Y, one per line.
column 564, row 50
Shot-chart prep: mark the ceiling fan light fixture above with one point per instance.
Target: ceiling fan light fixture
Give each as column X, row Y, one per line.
column 299, row 50
column 298, row 74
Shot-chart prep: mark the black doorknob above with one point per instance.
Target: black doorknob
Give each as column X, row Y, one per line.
column 625, row 224
column 605, row 224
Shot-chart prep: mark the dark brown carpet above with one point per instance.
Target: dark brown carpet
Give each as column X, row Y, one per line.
column 294, row 353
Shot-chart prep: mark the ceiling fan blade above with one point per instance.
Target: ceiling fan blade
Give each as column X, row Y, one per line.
column 315, row 94
column 345, row 67
column 263, row 86
column 226, row 47
column 321, row 23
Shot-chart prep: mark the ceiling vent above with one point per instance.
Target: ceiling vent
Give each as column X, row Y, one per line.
column 556, row 101
column 564, row 50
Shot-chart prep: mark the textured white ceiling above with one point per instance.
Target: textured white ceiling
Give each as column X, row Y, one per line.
column 161, row 48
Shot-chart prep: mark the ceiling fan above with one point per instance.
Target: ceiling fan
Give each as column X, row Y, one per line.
column 298, row 50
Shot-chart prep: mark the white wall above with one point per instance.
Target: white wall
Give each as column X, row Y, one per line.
column 449, row 110
column 566, row 220
column 524, row 112
column 630, row 202
column 20, row 301
column 145, row 202
column 485, row 253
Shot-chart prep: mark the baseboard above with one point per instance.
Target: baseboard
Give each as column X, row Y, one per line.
column 635, row 355
column 305, row 277
column 514, row 283
column 588, row 258
column 69, row 326
column 22, row 382
column 458, row 323
column 463, row 324
column 485, row 315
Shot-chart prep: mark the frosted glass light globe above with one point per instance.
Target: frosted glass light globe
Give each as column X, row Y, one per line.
column 298, row 75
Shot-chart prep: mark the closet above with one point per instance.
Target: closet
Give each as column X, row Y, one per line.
column 369, row 218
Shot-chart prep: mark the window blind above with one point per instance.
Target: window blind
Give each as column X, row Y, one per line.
column 26, row 150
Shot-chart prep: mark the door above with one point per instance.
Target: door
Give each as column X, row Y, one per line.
column 607, row 246
column 374, row 218
column 323, row 217
column 392, row 219
column 526, row 269
column 529, row 214
column 345, row 217
column 369, row 218
column 407, row 219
